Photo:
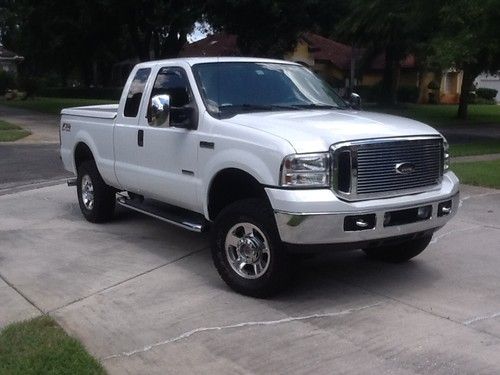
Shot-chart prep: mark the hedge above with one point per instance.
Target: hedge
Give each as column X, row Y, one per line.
column 105, row 93
column 486, row 93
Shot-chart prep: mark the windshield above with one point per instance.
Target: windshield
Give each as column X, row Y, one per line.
column 232, row 87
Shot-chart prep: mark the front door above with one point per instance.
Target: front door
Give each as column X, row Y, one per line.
column 168, row 154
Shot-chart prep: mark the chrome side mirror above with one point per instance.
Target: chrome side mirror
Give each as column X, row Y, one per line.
column 159, row 111
column 355, row 101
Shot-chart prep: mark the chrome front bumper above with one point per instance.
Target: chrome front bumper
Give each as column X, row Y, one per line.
column 329, row 228
column 318, row 217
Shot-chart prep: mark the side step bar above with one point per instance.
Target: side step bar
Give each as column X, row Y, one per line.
column 174, row 215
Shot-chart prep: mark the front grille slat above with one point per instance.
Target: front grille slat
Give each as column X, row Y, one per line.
column 388, row 173
column 374, row 163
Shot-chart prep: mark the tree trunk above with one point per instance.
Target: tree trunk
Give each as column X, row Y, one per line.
column 467, row 80
column 390, row 77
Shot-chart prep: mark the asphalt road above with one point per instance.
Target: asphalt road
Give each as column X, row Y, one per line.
column 26, row 165
column 144, row 297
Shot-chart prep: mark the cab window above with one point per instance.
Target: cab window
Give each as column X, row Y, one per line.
column 135, row 92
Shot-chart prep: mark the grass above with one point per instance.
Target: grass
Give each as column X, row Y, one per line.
column 446, row 115
column 51, row 105
column 475, row 148
column 480, row 173
column 10, row 132
column 40, row 346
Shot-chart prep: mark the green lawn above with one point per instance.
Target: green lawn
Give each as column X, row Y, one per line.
column 481, row 173
column 10, row 132
column 51, row 105
column 475, row 148
column 40, row 346
column 445, row 115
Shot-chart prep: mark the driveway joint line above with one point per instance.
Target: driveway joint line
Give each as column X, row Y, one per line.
column 289, row 319
column 33, row 186
column 127, row 280
column 421, row 309
column 21, row 294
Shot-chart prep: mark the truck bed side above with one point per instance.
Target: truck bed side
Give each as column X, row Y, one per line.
column 92, row 127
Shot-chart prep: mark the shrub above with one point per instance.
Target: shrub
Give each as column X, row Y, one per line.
column 7, row 81
column 106, row 93
column 30, row 86
column 374, row 94
column 370, row 94
column 408, row 94
column 486, row 93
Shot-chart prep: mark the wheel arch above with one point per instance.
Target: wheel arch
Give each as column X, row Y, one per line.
column 230, row 185
column 82, row 153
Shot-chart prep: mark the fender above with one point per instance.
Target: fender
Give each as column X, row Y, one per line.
column 245, row 161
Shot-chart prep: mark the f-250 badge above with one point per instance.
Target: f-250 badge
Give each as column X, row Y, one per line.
column 66, row 127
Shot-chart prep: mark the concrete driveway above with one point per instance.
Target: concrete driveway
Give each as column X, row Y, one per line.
column 144, row 297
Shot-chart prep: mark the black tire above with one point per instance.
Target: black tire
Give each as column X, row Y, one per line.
column 103, row 205
column 401, row 252
column 258, row 213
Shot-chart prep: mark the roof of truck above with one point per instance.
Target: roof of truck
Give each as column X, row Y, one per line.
column 199, row 60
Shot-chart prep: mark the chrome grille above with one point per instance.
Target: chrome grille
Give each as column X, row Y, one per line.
column 388, row 167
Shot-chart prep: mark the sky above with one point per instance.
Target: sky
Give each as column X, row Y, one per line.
column 201, row 30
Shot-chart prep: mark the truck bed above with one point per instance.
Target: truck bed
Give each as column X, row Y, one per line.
column 104, row 111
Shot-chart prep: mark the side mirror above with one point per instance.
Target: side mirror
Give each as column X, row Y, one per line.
column 159, row 112
column 183, row 117
column 355, row 101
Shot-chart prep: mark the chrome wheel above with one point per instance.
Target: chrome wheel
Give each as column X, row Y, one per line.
column 87, row 192
column 247, row 250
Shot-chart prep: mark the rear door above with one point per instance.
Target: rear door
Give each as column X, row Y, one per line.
column 128, row 132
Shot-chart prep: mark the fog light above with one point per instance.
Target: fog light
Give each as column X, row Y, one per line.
column 444, row 208
column 387, row 219
column 424, row 212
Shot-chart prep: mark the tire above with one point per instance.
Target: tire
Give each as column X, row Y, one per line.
column 96, row 199
column 250, row 224
column 401, row 252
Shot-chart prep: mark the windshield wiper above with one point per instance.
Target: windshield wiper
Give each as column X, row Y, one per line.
column 316, row 106
column 257, row 107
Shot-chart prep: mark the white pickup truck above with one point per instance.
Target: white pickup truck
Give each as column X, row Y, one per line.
column 266, row 155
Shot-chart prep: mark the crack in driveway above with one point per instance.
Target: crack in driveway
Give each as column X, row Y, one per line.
column 481, row 318
column 192, row 332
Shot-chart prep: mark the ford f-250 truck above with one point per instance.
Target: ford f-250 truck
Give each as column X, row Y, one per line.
column 266, row 155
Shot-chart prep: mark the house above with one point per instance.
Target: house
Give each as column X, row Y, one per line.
column 220, row 44
column 334, row 61
column 9, row 60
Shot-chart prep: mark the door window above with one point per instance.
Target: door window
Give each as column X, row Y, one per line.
column 174, row 83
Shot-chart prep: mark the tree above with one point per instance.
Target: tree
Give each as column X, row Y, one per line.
column 84, row 38
column 468, row 40
column 393, row 27
column 157, row 28
column 271, row 27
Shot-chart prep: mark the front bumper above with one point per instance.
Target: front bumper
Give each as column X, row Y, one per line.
column 327, row 223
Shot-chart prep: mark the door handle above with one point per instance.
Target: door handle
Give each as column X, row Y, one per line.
column 140, row 138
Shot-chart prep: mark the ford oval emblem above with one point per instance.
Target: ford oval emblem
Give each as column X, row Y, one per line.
column 405, row 168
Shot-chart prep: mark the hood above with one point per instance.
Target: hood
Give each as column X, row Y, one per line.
column 316, row 130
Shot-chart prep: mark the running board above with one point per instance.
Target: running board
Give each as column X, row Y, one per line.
column 174, row 215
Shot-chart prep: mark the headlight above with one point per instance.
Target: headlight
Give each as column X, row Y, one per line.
column 446, row 155
column 306, row 170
